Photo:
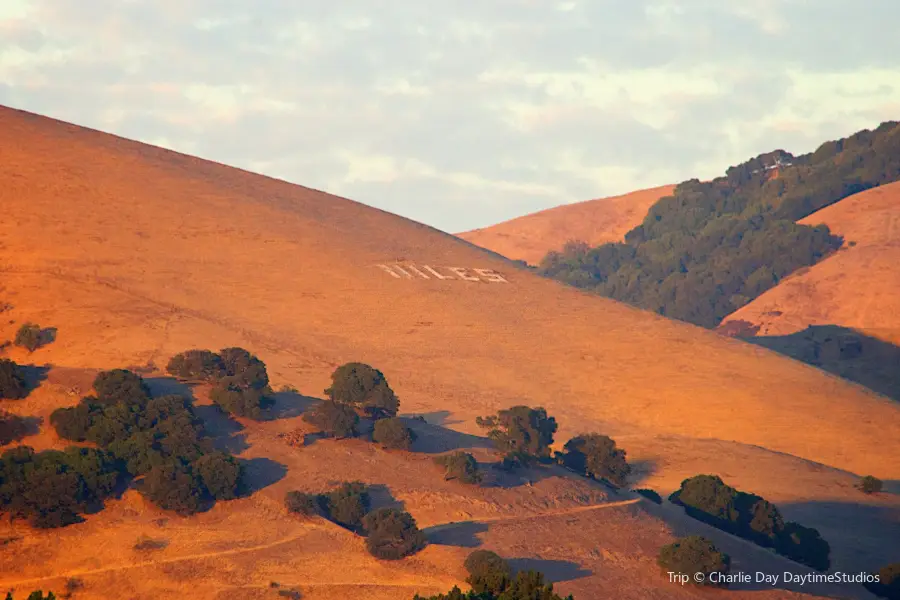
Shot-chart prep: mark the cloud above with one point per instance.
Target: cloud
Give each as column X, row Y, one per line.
column 467, row 113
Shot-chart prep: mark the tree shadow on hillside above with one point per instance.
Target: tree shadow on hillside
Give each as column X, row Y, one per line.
column 463, row 534
column 641, row 470
column 380, row 497
column 438, row 417
column 748, row 557
column 34, row 376
column 260, row 473
column 435, row 439
column 844, row 352
column 222, row 429
column 554, row 570
column 289, row 404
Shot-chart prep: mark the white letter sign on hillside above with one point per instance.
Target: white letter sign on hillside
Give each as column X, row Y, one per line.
column 409, row 271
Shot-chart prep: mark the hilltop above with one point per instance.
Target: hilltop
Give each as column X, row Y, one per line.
column 530, row 237
column 714, row 246
column 134, row 253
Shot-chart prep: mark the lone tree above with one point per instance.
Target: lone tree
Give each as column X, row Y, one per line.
column 488, row 572
column 364, row 388
column 29, row 336
column 392, row 534
column 460, row 465
column 694, row 554
column 334, row 419
column 521, row 429
column 596, row 456
column 12, row 380
column 870, row 485
column 393, row 433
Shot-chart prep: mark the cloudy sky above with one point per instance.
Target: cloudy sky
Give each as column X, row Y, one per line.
column 460, row 113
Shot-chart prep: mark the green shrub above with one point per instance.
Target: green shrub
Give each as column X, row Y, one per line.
column 695, row 554
column 392, row 534
column 29, row 336
column 870, row 485
column 521, row 429
column 393, row 433
column 650, row 495
column 12, row 428
column 347, row 505
column 334, row 419
column 460, row 465
column 302, row 503
column 365, row 388
column 596, row 456
column 203, row 365
column 804, row 545
column 888, row 584
column 12, row 380
column 488, row 572
column 244, row 369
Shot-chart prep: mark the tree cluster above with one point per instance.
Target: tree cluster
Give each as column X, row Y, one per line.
column 714, row 246
column 158, row 438
column 358, row 388
column 595, row 456
column 461, row 466
column 491, row 578
column 390, row 534
column 707, row 498
column 240, row 380
column 694, row 554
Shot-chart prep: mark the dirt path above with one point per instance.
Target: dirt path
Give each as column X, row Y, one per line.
column 287, row 540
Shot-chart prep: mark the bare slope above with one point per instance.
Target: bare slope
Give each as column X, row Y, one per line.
column 135, row 253
column 597, row 222
column 856, row 288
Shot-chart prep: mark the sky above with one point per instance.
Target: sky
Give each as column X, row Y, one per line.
column 460, row 113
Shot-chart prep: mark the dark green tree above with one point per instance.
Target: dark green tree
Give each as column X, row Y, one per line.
column 200, row 365
column 521, row 429
column 694, row 554
column 393, row 433
column 460, row 465
column 221, row 474
column 392, row 534
column 488, row 572
column 364, row 388
column 347, row 505
column 121, row 385
column 596, row 456
column 335, row 419
column 29, row 336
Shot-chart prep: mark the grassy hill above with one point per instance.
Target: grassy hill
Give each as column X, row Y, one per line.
column 529, row 238
column 134, row 253
column 712, row 247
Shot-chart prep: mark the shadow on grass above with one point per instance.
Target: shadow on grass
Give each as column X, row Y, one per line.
column 463, row 534
column 554, row 570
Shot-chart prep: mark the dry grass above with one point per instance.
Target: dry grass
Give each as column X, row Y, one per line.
column 856, row 287
column 135, row 253
column 597, row 222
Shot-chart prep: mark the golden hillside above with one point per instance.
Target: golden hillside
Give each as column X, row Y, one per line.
column 855, row 288
column 135, row 253
column 597, row 222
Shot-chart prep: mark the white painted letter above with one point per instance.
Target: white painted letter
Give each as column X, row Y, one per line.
column 461, row 272
column 491, row 275
column 435, row 273
column 416, row 270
